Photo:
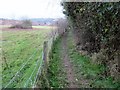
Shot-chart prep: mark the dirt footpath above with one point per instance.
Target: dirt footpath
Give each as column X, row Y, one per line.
column 67, row 64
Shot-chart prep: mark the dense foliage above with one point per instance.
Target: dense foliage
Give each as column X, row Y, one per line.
column 97, row 30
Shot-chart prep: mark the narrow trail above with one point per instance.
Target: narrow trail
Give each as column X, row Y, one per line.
column 69, row 69
column 67, row 64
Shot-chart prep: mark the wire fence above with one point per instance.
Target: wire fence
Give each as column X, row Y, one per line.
column 21, row 65
column 24, row 64
column 37, row 63
column 42, row 59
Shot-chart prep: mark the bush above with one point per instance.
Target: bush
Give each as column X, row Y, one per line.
column 26, row 24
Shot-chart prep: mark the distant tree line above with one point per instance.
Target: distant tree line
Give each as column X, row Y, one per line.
column 97, row 30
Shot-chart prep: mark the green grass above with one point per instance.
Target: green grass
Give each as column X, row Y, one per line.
column 56, row 73
column 44, row 27
column 17, row 47
column 87, row 70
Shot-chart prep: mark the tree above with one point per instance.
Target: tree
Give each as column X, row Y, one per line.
column 26, row 24
column 61, row 25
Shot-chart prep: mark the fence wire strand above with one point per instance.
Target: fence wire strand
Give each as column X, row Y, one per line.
column 23, row 65
column 38, row 72
column 50, row 42
column 33, row 71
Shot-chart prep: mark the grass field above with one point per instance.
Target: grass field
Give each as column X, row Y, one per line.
column 19, row 47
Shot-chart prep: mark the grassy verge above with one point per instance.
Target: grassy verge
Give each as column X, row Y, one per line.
column 86, row 70
column 56, row 73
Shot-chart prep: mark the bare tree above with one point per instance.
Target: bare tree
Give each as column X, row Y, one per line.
column 61, row 25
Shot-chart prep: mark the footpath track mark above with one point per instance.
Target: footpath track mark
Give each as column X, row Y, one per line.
column 67, row 64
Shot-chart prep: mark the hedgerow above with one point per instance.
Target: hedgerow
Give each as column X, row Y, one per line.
column 97, row 30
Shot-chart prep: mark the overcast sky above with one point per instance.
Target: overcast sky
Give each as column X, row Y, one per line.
column 30, row 9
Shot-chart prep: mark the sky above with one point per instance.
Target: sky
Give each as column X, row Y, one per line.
column 17, row 9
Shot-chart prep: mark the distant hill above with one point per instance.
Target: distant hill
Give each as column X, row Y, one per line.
column 43, row 21
column 35, row 21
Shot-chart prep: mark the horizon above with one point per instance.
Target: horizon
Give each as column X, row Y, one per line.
column 31, row 18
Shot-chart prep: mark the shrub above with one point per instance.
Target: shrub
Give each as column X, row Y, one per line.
column 26, row 24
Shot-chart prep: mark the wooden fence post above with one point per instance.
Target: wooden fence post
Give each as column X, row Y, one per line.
column 45, row 52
